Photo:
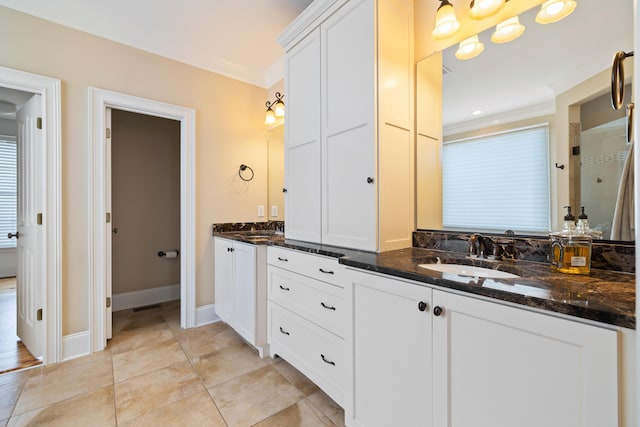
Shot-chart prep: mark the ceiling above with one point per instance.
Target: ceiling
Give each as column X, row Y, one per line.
column 524, row 76
column 238, row 39
column 229, row 37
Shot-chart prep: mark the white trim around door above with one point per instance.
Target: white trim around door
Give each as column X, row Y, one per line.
column 99, row 101
column 51, row 249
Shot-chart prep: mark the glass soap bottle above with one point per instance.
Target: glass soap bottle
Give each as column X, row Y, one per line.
column 571, row 248
column 583, row 226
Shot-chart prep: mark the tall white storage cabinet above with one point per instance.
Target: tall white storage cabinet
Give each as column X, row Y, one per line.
column 349, row 174
column 241, row 289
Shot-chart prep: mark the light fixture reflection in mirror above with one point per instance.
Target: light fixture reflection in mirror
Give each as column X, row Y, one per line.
column 481, row 9
column 521, row 81
column 470, row 48
column 554, row 10
column 507, row 31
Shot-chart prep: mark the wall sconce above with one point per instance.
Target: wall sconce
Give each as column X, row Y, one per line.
column 508, row 30
column 446, row 22
column 554, row 10
column 470, row 48
column 481, row 9
column 275, row 110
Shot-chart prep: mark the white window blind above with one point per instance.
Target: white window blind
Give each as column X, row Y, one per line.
column 8, row 191
column 498, row 182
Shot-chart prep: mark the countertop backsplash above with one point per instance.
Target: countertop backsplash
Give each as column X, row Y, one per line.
column 276, row 226
column 615, row 256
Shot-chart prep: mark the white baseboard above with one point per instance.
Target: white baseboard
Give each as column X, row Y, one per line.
column 206, row 314
column 144, row 297
column 8, row 262
column 76, row 345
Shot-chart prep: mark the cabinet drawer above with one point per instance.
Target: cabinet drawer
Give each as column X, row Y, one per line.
column 315, row 266
column 319, row 302
column 313, row 351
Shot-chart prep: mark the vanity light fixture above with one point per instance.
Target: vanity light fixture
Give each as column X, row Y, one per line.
column 470, row 48
column 446, row 22
column 555, row 10
column 481, row 9
column 275, row 110
column 508, row 30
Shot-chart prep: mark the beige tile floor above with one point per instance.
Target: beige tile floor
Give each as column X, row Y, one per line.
column 155, row 374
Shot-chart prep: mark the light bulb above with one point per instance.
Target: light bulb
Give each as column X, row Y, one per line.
column 278, row 109
column 446, row 22
column 481, row 9
column 270, row 117
column 508, row 30
column 470, row 48
column 555, row 10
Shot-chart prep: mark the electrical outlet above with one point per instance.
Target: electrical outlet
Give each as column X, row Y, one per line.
column 260, row 211
column 274, row 211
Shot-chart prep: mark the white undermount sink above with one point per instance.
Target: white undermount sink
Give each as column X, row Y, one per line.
column 469, row 271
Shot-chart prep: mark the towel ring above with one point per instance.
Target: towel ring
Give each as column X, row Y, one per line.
column 617, row 79
column 244, row 167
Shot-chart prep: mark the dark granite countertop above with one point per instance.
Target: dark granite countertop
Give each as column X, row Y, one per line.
column 604, row 296
column 261, row 237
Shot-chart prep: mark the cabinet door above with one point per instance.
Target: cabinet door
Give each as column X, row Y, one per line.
column 348, row 132
column 245, row 290
column 500, row 366
column 392, row 352
column 224, row 288
column 302, row 140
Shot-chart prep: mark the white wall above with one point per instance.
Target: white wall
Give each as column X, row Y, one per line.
column 229, row 131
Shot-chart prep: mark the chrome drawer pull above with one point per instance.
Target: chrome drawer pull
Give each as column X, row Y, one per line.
column 283, row 331
column 283, row 259
column 284, row 288
column 324, row 359
column 328, row 307
column 326, row 271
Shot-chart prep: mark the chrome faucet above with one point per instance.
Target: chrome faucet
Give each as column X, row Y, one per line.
column 480, row 245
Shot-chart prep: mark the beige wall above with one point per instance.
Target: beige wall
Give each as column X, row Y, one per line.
column 229, row 131
column 145, row 165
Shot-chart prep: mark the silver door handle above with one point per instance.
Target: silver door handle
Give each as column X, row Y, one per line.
column 12, row 235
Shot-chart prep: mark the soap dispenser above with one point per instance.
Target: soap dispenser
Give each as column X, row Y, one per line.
column 583, row 226
column 571, row 247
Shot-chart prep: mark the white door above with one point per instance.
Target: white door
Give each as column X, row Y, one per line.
column 391, row 353
column 302, row 141
column 29, row 234
column 223, row 280
column 244, row 282
column 500, row 366
column 110, row 228
column 349, row 213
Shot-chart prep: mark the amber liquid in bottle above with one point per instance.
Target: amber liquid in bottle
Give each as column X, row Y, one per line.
column 576, row 260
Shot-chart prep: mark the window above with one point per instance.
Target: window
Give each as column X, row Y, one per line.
column 8, row 191
column 498, row 182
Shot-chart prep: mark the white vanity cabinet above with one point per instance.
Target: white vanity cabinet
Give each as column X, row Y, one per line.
column 240, row 289
column 349, row 174
column 468, row 362
column 392, row 353
column 307, row 316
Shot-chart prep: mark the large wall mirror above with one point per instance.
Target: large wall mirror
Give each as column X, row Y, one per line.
column 555, row 75
column 275, row 155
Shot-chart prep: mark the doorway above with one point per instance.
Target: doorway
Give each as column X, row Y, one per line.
column 144, row 186
column 100, row 101
column 30, row 219
column 20, row 251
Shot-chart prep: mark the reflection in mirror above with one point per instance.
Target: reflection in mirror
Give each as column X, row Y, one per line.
column 529, row 81
column 603, row 151
column 275, row 155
